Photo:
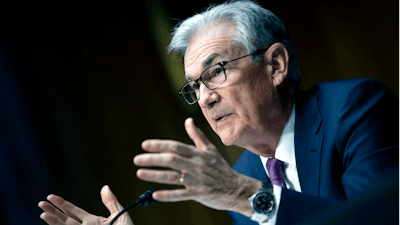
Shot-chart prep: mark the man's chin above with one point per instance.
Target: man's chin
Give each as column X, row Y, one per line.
column 228, row 140
column 229, row 135
column 232, row 136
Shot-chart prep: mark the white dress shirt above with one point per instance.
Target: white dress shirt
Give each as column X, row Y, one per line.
column 285, row 153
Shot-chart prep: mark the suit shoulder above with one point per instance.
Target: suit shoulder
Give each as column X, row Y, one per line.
column 348, row 85
column 343, row 85
column 334, row 93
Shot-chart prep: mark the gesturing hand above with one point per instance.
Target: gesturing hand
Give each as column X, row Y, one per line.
column 75, row 215
column 207, row 177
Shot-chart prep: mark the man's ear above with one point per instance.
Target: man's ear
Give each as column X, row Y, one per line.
column 277, row 60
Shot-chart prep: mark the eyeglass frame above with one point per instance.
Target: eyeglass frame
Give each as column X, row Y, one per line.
column 222, row 64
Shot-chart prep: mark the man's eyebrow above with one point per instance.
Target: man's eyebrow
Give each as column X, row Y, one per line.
column 206, row 63
column 210, row 59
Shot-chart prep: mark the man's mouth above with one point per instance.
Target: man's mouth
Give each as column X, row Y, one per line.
column 222, row 117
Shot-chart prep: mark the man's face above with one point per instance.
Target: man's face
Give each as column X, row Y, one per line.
column 243, row 108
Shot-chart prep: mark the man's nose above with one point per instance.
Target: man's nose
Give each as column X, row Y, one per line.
column 207, row 97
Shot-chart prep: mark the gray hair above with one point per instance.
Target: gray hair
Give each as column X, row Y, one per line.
column 256, row 28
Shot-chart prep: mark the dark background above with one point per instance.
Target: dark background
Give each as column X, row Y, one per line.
column 83, row 84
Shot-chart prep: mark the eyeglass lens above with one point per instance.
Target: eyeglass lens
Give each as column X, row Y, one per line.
column 212, row 78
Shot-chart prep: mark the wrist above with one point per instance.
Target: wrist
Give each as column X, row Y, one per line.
column 247, row 186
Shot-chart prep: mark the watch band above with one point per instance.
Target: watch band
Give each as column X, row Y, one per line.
column 263, row 203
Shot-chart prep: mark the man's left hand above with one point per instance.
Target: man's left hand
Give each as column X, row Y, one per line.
column 207, row 177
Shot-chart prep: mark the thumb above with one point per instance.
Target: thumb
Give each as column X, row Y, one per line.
column 197, row 136
column 110, row 200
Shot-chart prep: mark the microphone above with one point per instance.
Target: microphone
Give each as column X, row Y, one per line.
column 144, row 200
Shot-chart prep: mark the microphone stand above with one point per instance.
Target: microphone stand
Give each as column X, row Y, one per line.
column 144, row 200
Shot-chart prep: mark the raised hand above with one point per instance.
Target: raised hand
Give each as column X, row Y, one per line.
column 206, row 176
column 75, row 215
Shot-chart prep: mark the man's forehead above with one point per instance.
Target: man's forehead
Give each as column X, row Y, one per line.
column 193, row 72
column 207, row 62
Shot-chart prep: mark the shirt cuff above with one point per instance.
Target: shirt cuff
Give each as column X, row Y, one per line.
column 277, row 193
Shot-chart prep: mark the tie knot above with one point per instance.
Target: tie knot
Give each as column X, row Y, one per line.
column 275, row 170
column 274, row 163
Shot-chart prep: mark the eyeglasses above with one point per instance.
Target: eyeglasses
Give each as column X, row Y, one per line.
column 213, row 77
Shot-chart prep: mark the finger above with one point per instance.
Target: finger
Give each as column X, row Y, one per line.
column 197, row 136
column 169, row 146
column 110, row 200
column 53, row 220
column 50, row 219
column 159, row 176
column 169, row 160
column 69, row 208
column 49, row 208
column 176, row 195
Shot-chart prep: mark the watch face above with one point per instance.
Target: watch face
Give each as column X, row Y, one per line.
column 263, row 203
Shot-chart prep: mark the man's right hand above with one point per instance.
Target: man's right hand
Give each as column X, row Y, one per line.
column 75, row 215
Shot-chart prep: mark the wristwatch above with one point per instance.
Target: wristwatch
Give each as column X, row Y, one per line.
column 263, row 203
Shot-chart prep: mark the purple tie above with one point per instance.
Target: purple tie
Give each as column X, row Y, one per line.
column 275, row 170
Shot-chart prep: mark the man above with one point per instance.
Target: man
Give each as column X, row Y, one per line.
column 306, row 152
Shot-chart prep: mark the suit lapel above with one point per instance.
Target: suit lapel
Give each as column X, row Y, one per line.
column 308, row 142
column 250, row 165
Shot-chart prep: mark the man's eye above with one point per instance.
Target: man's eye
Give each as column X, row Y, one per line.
column 215, row 72
column 218, row 71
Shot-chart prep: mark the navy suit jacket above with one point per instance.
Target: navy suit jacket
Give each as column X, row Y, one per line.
column 346, row 148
